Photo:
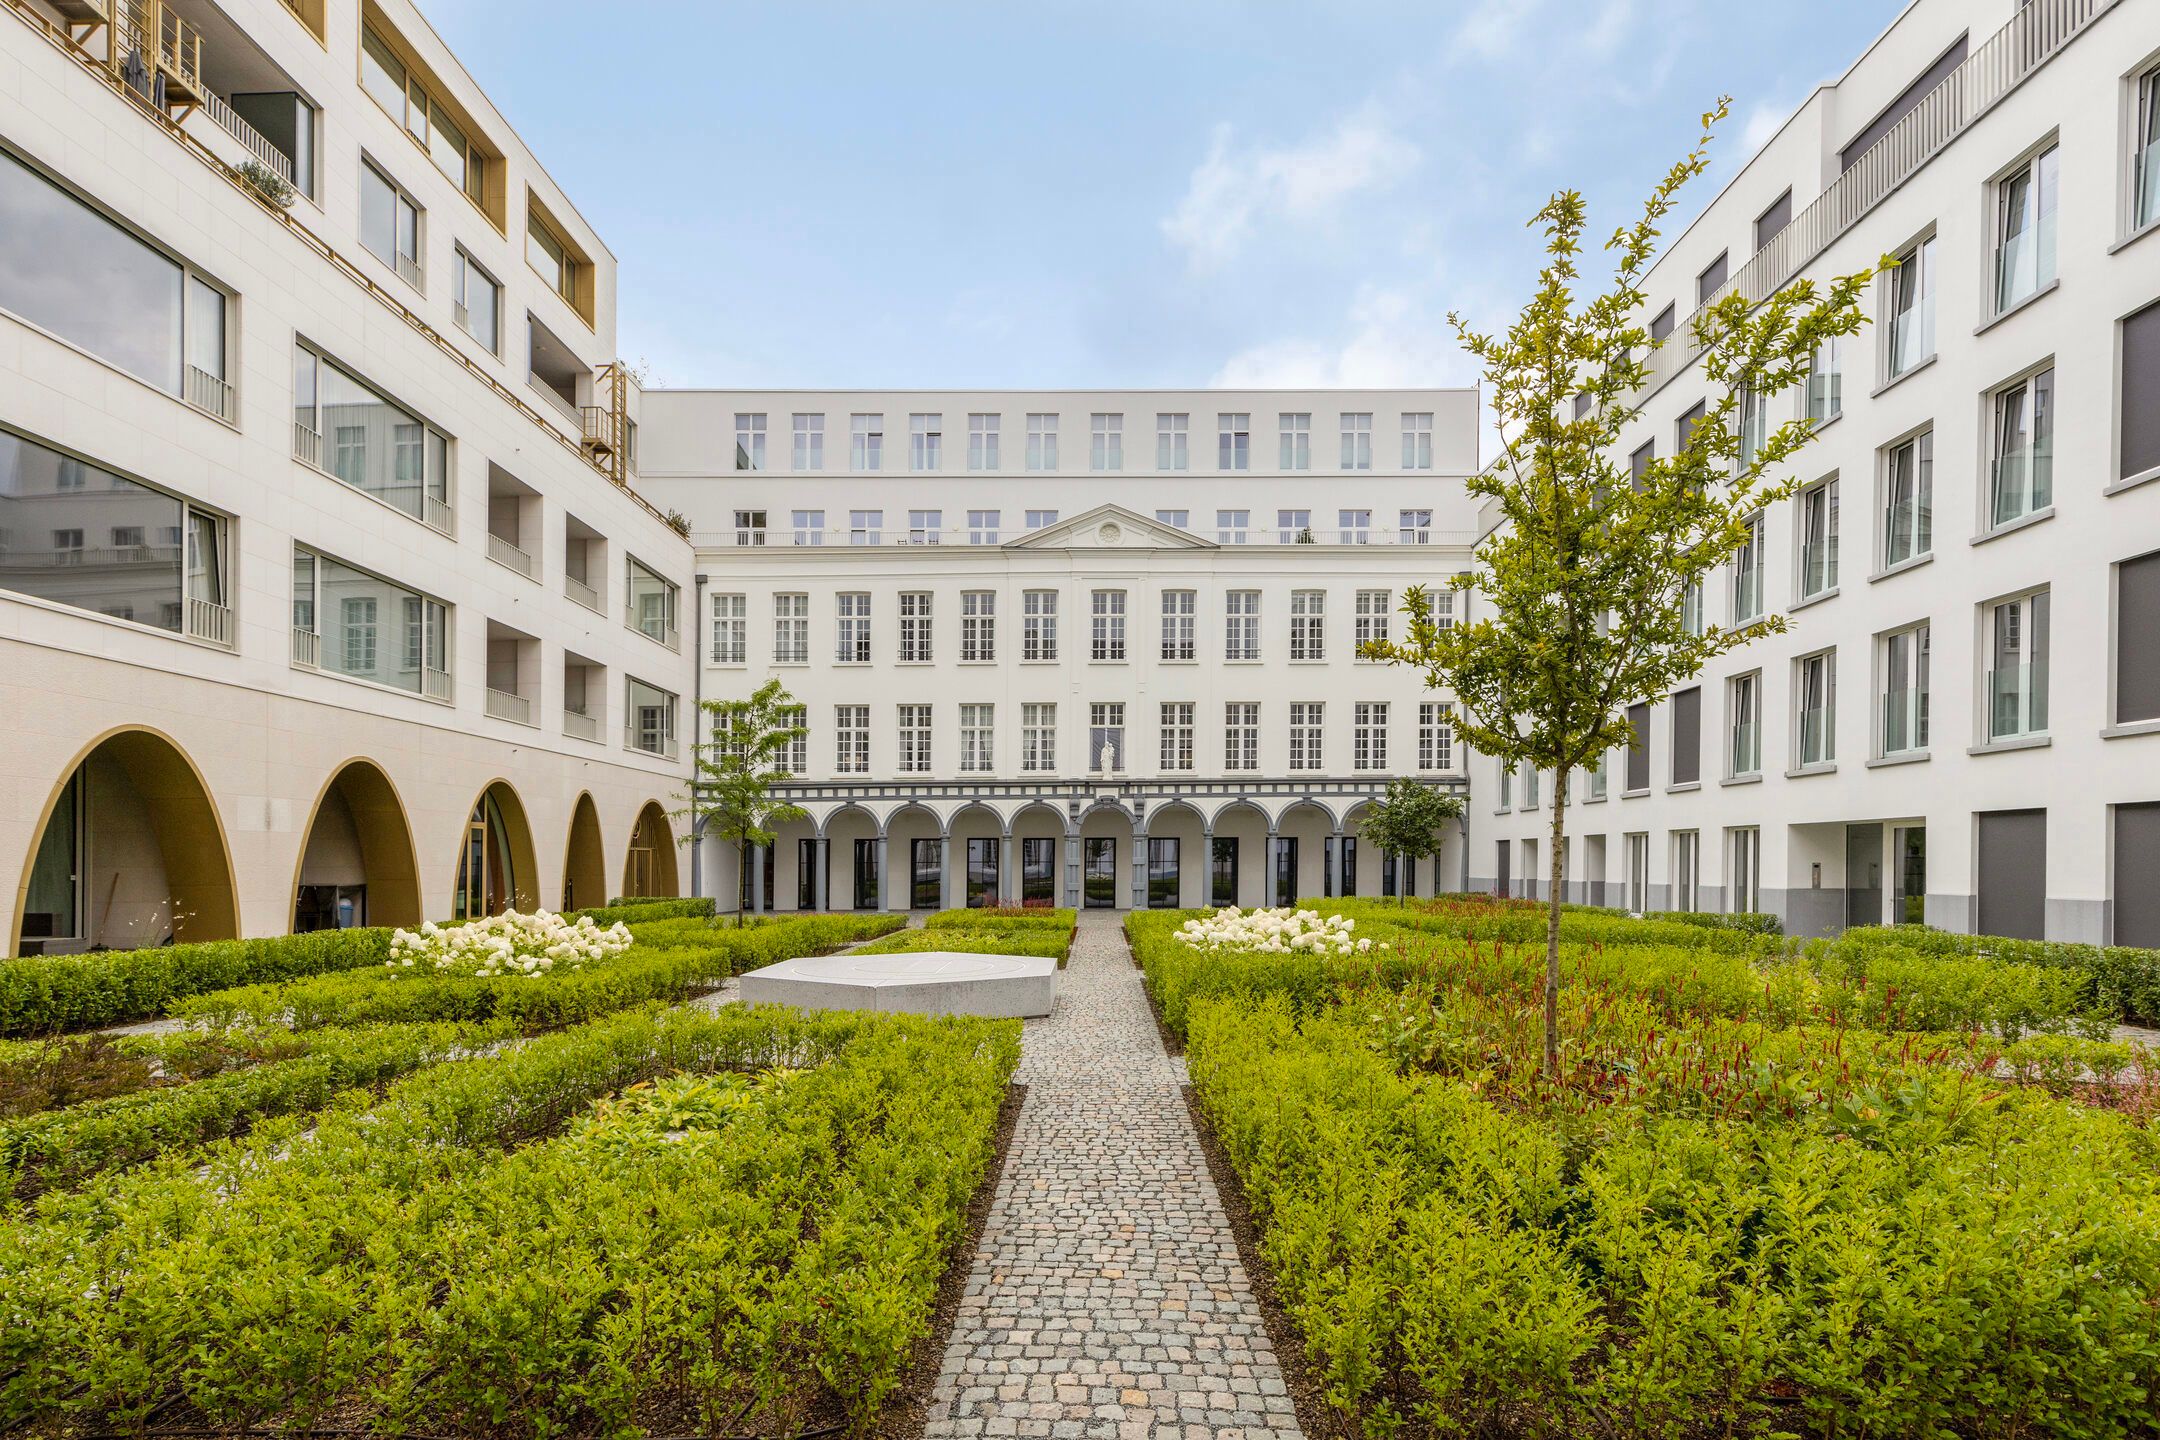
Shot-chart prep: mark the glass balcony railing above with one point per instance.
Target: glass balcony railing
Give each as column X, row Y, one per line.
column 2024, row 263
column 1907, row 531
column 1746, row 748
column 1904, row 721
column 1818, row 728
column 2024, row 483
column 2148, row 186
column 1691, row 610
column 1747, row 594
column 1597, row 781
column 1912, row 337
column 1818, row 567
column 2017, row 700
column 1825, row 395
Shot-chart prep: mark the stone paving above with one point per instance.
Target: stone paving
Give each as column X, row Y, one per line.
column 1105, row 1299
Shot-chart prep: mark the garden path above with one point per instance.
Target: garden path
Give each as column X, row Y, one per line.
column 1105, row 1299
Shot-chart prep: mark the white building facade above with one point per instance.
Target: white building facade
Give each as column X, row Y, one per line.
column 1086, row 648
column 324, row 597
column 1962, row 724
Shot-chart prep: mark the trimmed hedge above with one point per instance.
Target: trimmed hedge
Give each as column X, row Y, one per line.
column 2117, row 978
column 1001, row 919
column 1051, row 944
column 45, row 994
column 631, row 911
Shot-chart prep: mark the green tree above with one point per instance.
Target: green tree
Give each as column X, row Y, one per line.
column 1591, row 585
column 730, row 792
column 1407, row 821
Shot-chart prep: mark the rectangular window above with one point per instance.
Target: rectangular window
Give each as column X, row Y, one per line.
column 1436, row 735
column 1041, row 519
column 1233, row 441
column 913, row 738
column 915, row 619
column 1909, row 499
column 977, row 737
column 1639, row 466
column 1372, row 616
column 376, row 446
column 1417, row 440
column 1911, row 332
column 851, row 610
column 2145, row 153
column 1684, row 427
column 1818, row 539
column 1357, row 440
column 794, row 757
column 1177, row 735
column 1296, row 441
column 983, row 526
column 476, row 301
column 749, row 442
column 650, row 715
column 978, row 625
column 1241, row 735
column 2025, row 203
column 1687, row 870
column 1369, row 735
column 1826, row 380
column 1815, row 709
column 1106, row 441
column 390, row 223
column 1744, row 877
column 851, row 739
column 1638, row 750
column 2017, row 677
column 1171, row 448
column 358, row 605
column 1691, row 608
column 1039, row 625
column 791, row 629
column 1754, row 427
column 1687, row 736
column 925, row 527
column 1638, row 872
column 1241, row 625
column 866, row 442
column 1162, row 872
column 1308, row 625
column 1743, row 703
column 1710, row 281
column 1747, row 575
column 651, row 602
column 749, row 527
column 1293, row 527
column 1307, row 723
column 2138, row 407
column 1038, row 738
column 1233, row 527
column 553, row 261
column 730, row 629
column 2024, row 438
column 1662, row 325
column 1042, row 452
column 983, row 441
column 1905, row 691
column 866, row 527
column 1177, row 624
column 1413, row 527
column 926, row 442
column 1106, row 737
column 1107, row 625
column 1772, row 221
column 1353, row 527
column 2137, row 656
column 809, row 451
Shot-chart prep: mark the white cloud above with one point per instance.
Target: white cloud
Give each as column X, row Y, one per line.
column 1392, row 338
column 1609, row 26
column 1234, row 190
column 1491, row 29
column 1763, row 119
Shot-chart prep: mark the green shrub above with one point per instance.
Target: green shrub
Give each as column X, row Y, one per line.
column 44, row 994
column 1050, row 944
column 631, row 911
column 1750, row 923
column 2119, row 978
column 1003, row 918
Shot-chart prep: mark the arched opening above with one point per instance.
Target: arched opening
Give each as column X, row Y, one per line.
column 1038, row 829
column 495, row 871
column 130, row 853
column 852, row 852
column 584, row 881
column 1106, row 858
column 915, row 853
column 978, row 855
column 649, row 868
column 357, row 865
column 1238, row 858
column 1177, row 865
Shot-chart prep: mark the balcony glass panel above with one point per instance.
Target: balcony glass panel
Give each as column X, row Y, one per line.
column 76, row 535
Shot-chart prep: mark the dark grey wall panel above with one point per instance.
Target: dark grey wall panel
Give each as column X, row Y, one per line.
column 2013, row 873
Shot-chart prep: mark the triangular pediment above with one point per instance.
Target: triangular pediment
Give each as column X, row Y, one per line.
column 1110, row 527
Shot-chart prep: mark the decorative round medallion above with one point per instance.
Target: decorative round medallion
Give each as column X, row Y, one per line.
column 1109, row 533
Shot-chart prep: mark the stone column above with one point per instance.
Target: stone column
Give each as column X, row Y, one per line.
column 757, row 879
column 1335, row 864
column 1271, row 866
column 1207, row 869
column 1072, row 869
column 821, row 873
column 948, row 865
column 1008, row 870
column 884, row 873
column 1139, row 870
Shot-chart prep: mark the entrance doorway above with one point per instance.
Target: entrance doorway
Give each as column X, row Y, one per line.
column 1285, row 870
column 1863, row 875
column 926, row 874
column 866, row 874
column 1038, row 871
column 982, row 873
column 1098, row 876
column 1909, row 899
column 1162, row 872
column 1222, row 872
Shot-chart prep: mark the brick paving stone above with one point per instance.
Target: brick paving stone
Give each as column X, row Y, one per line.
column 1105, row 1299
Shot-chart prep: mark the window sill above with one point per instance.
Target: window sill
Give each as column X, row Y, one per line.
column 990, row 660
column 1591, row 800
column 2150, row 227
column 1681, row 787
column 2001, row 315
column 1247, row 660
column 2129, row 728
column 2008, row 526
column 448, row 702
column 2131, row 482
column 1752, row 777
column 1820, row 767
column 1901, row 567
column 2019, row 742
column 1826, row 422
column 1900, row 378
column 1816, row 599
column 1633, row 794
column 1186, row 661
column 1903, row 757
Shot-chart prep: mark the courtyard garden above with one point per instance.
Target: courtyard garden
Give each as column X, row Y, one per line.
column 475, row 1180
column 1896, row 1184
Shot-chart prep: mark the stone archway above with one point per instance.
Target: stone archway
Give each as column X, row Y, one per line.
column 496, row 869
column 130, row 853
column 584, row 858
column 649, row 865
column 356, row 865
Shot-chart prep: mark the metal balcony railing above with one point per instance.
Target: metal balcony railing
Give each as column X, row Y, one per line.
column 251, row 140
column 209, row 394
column 408, row 269
column 306, row 445
column 1996, row 67
column 435, row 684
column 507, row 554
column 583, row 593
column 306, row 648
column 505, row 706
column 436, row 514
column 208, row 620
column 580, row 726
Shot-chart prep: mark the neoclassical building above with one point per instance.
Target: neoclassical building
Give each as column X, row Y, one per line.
column 1086, row 648
column 325, row 598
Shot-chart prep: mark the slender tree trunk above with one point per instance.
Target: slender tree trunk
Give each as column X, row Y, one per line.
column 1556, row 869
column 745, row 879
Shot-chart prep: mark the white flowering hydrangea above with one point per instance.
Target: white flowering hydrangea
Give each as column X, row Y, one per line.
column 508, row 944
column 1276, row 932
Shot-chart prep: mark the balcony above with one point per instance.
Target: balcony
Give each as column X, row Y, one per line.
column 306, row 649
column 580, row 726
column 502, row 705
column 508, row 555
column 209, row 621
column 583, row 594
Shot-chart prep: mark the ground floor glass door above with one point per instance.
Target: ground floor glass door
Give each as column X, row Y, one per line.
column 806, row 891
column 1038, row 871
column 1162, row 873
column 1285, row 870
column 1909, row 902
column 866, row 874
column 1222, row 873
column 1098, row 873
column 982, row 873
column 926, row 874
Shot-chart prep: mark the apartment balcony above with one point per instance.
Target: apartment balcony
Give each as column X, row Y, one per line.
column 209, row 621
column 508, row 555
column 503, row 705
column 306, row 649
column 583, row 594
column 580, row 726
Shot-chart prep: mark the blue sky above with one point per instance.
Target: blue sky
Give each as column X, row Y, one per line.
column 1043, row 193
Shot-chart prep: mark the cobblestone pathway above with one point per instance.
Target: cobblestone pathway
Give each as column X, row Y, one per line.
column 1106, row 1299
